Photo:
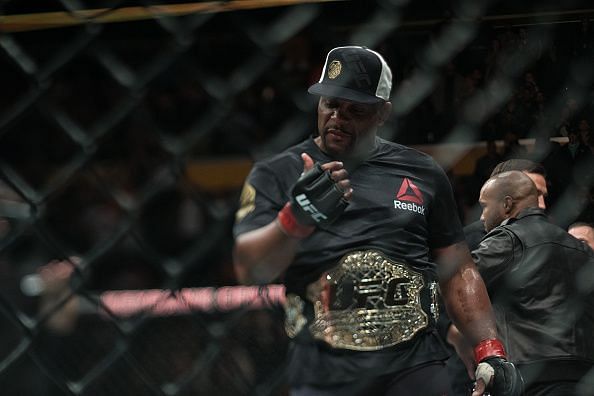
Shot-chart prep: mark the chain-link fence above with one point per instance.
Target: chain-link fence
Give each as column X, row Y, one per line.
column 127, row 128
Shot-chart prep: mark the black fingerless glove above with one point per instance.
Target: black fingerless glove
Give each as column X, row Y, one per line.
column 501, row 377
column 506, row 379
column 316, row 199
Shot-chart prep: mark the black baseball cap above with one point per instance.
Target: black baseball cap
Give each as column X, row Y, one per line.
column 354, row 73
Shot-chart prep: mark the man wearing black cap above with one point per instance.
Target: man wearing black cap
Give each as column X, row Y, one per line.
column 360, row 230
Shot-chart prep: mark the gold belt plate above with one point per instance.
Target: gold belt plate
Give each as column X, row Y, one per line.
column 368, row 302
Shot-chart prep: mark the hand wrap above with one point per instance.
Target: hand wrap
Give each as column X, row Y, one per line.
column 501, row 377
column 316, row 199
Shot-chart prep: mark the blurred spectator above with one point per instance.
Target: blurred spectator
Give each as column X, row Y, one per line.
column 493, row 59
column 570, row 170
column 522, row 40
column 550, row 68
column 544, row 151
column 583, row 231
column 512, row 147
column 539, row 114
column 296, row 64
column 511, row 119
column 585, row 134
column 584, row 42
column 587, row 213
column 509, row 39
column 574, row 151
column 471, row 83
column 444, row 98
column 528, row 97
column 530, row 86
column 568, row 112
column 484, row 166
column 486, row 163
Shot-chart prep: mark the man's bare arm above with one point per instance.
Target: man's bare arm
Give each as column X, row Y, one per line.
column 465, row 294
column 469, row 306
column 261, row 255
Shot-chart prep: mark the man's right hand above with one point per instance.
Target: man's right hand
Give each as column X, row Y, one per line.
column 263, row 254
column 319, row 197
column 322, row 192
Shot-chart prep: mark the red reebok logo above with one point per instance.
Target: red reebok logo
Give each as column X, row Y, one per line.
column 409, row 192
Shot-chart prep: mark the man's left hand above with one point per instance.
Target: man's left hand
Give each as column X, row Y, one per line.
column 498, row 377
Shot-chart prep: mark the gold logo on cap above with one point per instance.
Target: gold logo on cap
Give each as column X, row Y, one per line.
column 334, row 69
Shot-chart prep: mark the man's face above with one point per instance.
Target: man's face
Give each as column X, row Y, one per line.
column 583, row 233
column 493, row 212
column 346, row 127
column 541, row 185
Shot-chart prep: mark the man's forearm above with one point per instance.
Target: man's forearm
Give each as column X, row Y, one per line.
column 262, row 255
column 469, row 306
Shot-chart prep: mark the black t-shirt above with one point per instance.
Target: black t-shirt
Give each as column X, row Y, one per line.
column 402, row 205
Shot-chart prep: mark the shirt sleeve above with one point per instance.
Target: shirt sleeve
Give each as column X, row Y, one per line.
column 444, row 223
column 262, row 196
column 493, row 257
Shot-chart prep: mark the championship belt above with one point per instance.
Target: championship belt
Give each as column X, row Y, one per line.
column 367, row 302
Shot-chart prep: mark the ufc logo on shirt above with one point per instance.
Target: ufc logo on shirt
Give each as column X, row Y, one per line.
column 307, row 206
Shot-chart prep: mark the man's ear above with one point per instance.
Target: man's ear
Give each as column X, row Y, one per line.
column 384, row 112
column 508, row 203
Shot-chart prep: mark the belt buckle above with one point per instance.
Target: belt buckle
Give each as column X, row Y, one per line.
column 367, row 302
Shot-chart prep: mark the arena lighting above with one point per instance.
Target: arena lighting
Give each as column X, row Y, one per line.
column 48, row 20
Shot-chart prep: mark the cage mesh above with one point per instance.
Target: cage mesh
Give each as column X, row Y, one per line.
column 127, row 128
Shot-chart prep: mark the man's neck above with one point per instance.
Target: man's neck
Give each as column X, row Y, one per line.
column 353, row 159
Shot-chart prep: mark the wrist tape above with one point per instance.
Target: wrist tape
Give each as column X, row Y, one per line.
column 289, row 224
column 488, row 348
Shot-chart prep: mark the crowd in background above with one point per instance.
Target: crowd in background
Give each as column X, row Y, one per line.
column 180, row 118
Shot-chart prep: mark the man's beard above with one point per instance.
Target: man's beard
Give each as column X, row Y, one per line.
column 353, row 154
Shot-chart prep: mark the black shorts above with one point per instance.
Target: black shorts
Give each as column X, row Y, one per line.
column 429, row 379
